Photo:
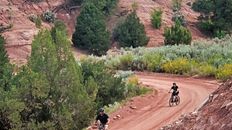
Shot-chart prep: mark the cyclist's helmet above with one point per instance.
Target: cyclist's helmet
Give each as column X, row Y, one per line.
column 174, row 83
column 101, row 110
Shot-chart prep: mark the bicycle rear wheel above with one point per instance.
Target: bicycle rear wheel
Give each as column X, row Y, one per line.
column 177, row 100
column 171, row 103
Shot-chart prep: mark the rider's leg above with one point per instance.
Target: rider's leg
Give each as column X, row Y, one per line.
column 106, row 127
column 173, row 96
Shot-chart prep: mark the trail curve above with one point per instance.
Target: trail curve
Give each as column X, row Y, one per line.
column 152, row 110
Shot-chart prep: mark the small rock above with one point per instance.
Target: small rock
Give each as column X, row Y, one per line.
column 115, row 118
column 225, row 104
column 118, row 116
column 133, row 107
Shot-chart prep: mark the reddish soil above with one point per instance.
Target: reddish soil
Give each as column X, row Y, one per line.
column 152, row 110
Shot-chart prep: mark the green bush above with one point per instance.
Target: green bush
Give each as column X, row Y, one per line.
column 76, row 2
column 138, row 64
column 207, row 70
column 220, row 34
column 3, row 56
column 178, row 66
column 179, row 17
column 177, row 34
column 224, row 72
column 90, row 32
column 131, row 32
column 204, row 6
column 106, row 6
column 218, row 12
column 38, row 22
column 153, row 61
column 156, row 18
column 125, row 61
column 207, row 26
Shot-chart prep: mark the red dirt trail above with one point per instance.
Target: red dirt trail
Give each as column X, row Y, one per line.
column 152, row 110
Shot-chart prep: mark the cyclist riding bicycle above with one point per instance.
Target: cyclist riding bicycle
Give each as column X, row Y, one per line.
column 174, row 90
column 103, row 118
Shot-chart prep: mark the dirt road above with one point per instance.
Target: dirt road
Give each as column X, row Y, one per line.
column 151, row 112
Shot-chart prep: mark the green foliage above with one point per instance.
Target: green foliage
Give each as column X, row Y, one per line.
column 110, row 88
column 178, row 66
column 202, row 58
column 91, row 33
column 204, row 6
column 56, row 62
column 75, row 2
column 219, row 34
column 156, row 18
column 207, row 70
column 177, row 34
column 207, row 26
column 131, row 32
column 219, row 12
column 176, row 5
column 126, row 61
column 59, row 26
column 179, row 17
column 152, row 61
column 105, row 6
column 3, row 54
column 49, row 16
column 224, row 72
column 38, row 22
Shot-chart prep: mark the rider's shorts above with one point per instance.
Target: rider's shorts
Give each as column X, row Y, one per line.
column 175, row 93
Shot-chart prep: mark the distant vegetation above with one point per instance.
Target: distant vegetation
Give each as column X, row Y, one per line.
column 212, row 59
column 177, row 34
column 215, row 16
column 131, row 32
column 90, row 33
column 156, row 18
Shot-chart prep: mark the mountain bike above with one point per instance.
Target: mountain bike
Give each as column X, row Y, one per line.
column 174, row 100
column 102, row 127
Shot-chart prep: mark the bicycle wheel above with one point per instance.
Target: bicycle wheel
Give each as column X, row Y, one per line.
column 171, row 103
column 177, row 100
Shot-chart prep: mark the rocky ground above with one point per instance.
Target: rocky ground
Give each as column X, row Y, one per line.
column 215, row 114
